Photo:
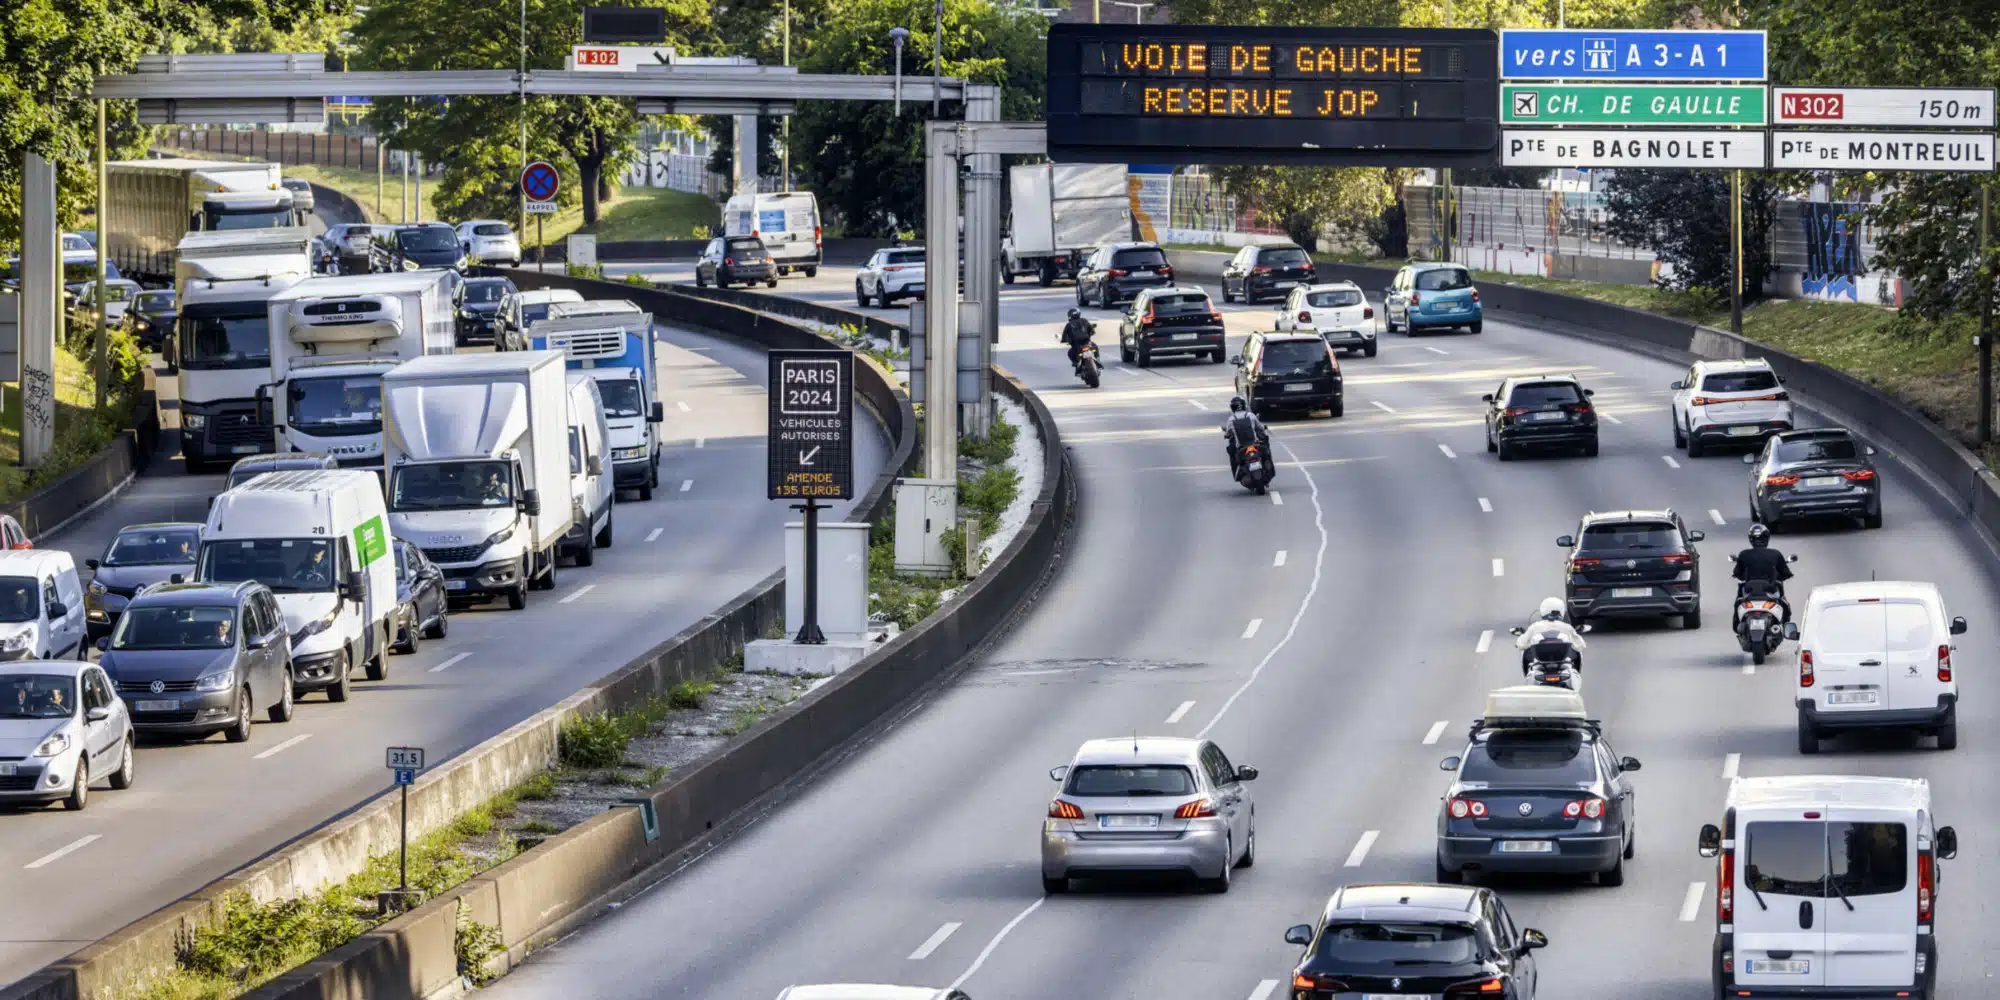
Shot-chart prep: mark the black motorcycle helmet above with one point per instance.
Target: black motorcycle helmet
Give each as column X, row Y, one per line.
column 1237, row 405
column 1760, row 536
column 1073, row 313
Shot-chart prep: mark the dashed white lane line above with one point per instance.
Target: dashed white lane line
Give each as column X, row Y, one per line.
column 1485, row 505
column 1384, row 407
column 654, row 535
column 1669, row 459
column 1691, row 905
column 1198, row 404
column 1499, row 567
column 1264, row 990
column 686, row 485
column 1277, row 498
column 931, row 943
column 701, row 442
column 682, row 403
column 448, row 664
column 1250, row 630
column 1716, row 516
column 1179, row 713
column 1448, row 453
column 1485, row 642
column 1437, row 350
column 1279, row 559
column 1360, row 852
column 1437, row 730
column 1609, row 418
column 1749, row 666
column 578, row 592
column 987, row 951
column 282, row 747
column 1730, row 764
column 64, row 851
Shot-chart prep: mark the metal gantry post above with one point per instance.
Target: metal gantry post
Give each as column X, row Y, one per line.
column 99, row 356
column 41, row 306
column 1984, row 273
column 982, row 255
column 941, row 302
column 1736, row 251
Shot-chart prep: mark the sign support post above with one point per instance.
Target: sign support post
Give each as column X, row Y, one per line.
column 1736, row 251
column 1985, row 272
column 404, row 763
column 810, row 451
column 809, row 633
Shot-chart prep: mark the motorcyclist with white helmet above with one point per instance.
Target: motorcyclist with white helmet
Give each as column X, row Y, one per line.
column 1761, row 571
column 1549, row 625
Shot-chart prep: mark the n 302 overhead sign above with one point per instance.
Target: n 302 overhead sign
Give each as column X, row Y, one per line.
column 1613, row 54
column 810, row 443
column 1926, row 107
column 1971, row 152
column 1631, row 148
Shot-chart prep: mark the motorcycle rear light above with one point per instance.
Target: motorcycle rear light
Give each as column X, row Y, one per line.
column 1805, row 668
column 1858, row 475
column 1196, row 809
column 1061, row 809
column 1461, row 808
column 1925, row 879
column 1781, row 480
column 1944, row 663
column 1305, row 317
column 1725, row 882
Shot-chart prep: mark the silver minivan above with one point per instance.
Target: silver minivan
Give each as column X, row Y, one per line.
column 1139, row 805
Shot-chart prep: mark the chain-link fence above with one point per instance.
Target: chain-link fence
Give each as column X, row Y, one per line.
column 1527, row 220
column 1200, row 205
column 294, row 148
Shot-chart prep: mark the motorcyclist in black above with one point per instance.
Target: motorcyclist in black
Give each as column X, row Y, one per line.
column 1077, row 333
column 1240, row 429
column 1764, row 569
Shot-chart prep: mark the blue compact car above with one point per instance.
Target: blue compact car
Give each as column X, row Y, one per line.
column 1432, row 297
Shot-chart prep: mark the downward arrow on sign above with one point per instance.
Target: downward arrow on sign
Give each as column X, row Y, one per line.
column 806, row 457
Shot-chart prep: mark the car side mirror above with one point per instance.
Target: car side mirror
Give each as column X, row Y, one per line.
column 1709, row 844
column 1791, row 559
column 1280, row 307
column 90, row 564
column 1517, row 630
column 1792, row 631
column 1488, row 398
column 595, row 464
column 1299, row 934
column 1236, row 359
column 1677, row 386
column 1058, row 773
column 1449, row 763
column 1246, row 773
column 1868, row 449
column 1590, row 392
column 58, row 609
column 1628, row 763
column 1958, row 626
column 1696, row 536
column 658, row 415
column 98, row 714
column 1532, row 939
column 176, row 578
column 257, row 642
column 1946, row 843
column 355, row 587
column 104, row 644
column 1566, row 541
column 531, row 503
column 1749, row 458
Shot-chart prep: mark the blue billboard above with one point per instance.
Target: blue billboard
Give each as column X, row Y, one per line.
column 1617, row 54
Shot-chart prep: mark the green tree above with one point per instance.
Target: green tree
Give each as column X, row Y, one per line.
column 1683, row 216
column 1305, row 200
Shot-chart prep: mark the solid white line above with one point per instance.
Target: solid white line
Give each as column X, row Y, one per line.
column 1277, row 498
column 1264, row 990
column 282, row 747
column 1198, row 404
column 1485, row 641
column 448, row 664
column 1669, row 459
column 1448, row 453
column 1279, row 559
column 995, row 943
column 1486, row 505
column 1499, row 567
column 682, row 403
column 1716, row 516
column 654, row 535
column 686, row 485
column 1179, row 713
column 1360, row 852
column 931, row 943
column 1691, row 906
column 1437, row 730
column 1250, row 630
column 1435, row 350
column 1608, row 417
column 578, row 592
column 1730, row 764
column 1384, row 407
column 62, row 852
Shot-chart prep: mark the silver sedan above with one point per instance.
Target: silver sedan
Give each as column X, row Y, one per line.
column 1149, row 805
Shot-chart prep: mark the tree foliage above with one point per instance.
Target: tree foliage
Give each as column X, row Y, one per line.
column 1683, row 216
column 1302, row 201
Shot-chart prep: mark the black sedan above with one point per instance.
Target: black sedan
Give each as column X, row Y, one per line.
column 1544, row 411
column 1274, row 269
column 1408, row 940
column 1544, row 795
column 421, row 245
column 477, row 304
column 1822, row 472
column 420, row 605
column 1289, row 371
column 1171, row 321
column 152, row 316
column 1115, row 273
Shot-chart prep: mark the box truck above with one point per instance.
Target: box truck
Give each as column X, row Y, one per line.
column 222, row 342
column 153, row 203
column 613, row 343
column 1059, row 212
column 476, row 451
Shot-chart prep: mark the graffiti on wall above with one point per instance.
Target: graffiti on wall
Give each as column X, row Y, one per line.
column 1833, row 252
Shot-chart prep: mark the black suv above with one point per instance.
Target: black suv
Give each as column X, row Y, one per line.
column 735, row 260
column 1121, row 271
column 1540, row 411
column 193, row 659
column 1172, row 320
column 1408, row 939
column 477, row 302
column 1289, row 371
column 1822, row 472
column 1633, row 564
column 1267, row 270
column 1536, row 794
column 420, row 245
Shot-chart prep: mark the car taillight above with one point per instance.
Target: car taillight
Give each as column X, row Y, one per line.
column 1305, row 317
column 1590, row 808
column 1461, row 808
column 1582, row 563
column 1367, row 312
column 1481, row 987
column 1858, row 475
column 1678, row 559
column 1116, row 272
column 1702, row 401
column 1725, row 887
column 1060, row 809
column 1215, row 314
column 892, row 267
column 1196, row 809
column 1414, row 296
column 1515, row 411
column 1926, row 879
column 1780, row 480
column 1321, row 984
column 1944, row 663
column 816, row 235
column 1805, row 668
column 1475, row 295
column 1773, row 397
column 1260, row 270
column 729, row 260
column 1166, row 270
column 1151, row 317
column 1304, row 982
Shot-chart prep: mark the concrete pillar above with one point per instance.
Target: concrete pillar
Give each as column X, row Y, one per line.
column 746, row 154
column 982, row 254
column 41, row 307
column 941, row 303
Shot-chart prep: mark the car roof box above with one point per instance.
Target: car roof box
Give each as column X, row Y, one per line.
column 1534, row 706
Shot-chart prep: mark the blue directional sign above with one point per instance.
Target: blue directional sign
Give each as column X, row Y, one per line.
column 406, row 776
column 1616, row 54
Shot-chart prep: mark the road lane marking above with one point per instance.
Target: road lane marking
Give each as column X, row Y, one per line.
column 448, row 664
column 1264, row 990
column 686, row 485
column 1198, row 404
column 65, row 851
column 701, row 442
column 1250, row 630
column 682, row 403
column 1448, row 453
column 1730, row 764
column 1749, row 666
column 1499, row 567
column 578, row 592
column 1485, row 505
column 1279, row 559
column 654, row 535
column 1669, row 459
column 1716, row 516
column 1609, row 417
column 1277, row 498
column 1437, row 730
column 1485, row 641
column 995, row 943
column 1691, row 906
column 1384, row 407
column 1179, row 713
column 1360, row 852
column 1436, row 350
column 931, row 943
column 282, row 747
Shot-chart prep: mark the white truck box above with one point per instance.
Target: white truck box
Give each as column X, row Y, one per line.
column 1060, row 210
column 153, row 203
column 222, row 345
column 615, row 347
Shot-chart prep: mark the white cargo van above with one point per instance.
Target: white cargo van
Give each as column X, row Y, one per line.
column 589, row 476
column 320, row 540
column 613, row 343
column 477, row 453
column 1826, row 886
column 787, row 222
column 41, row 606
column 1875, row 655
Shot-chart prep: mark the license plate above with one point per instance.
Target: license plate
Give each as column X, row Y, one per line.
column 1129, row 821
column 1743, row 432
column 1299, row 387
column 157, row 706
column 1527, row 847
column 1396, row 996
column 1822, row 481
column 1184, row 336
column 244, row 449
column 454, row 585
column 1286, row 284
column 918, row 287
column 1632, row 592
column 1545, row 417
column 1777, row 966
column 9, row 769
column 1850, row 697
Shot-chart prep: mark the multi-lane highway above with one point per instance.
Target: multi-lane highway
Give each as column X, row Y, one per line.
column 200, row 810
column 1339, row 635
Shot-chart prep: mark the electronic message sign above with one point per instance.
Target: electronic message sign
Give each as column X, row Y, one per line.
column 1196, row 94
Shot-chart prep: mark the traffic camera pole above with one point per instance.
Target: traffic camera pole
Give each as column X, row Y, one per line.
column 1736, row 243
column 99, row 355
column 809, row 633
column 1985, row 273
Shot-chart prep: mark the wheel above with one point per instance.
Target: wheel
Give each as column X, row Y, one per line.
column 1339, row 408
column 1695, row 449
column 1054, row 886
column 812, row 271
column 1388, row 321
column 1227, row 295
column 1249, row 858
column 586, row 554
column 1369, row 351
column 1680, row 439
column 342, row 683
column 860, row 295
column 770, row 282
column 1757, row 657
column 549, row 578
column 1145, row 357
column 83, row 648
column 1506, row 451
column 1490, row 446
column 79, row 792
column 603, row 539
column 442, row 627
column 1590, row 448
column 377, row 667
column 1947, row 734
column 882, row 297
column 1631, row 846
column 1006, row 275
column 1614, row 877
column 1124, row 352
column 1047, row 276
column 1079, row 293
column 407, row 645
column 1090, row 377
column 1216, row 357
column 128, row 767
column 646, row 492
column 281, row 711
column 1691, row 620
column 1808, row 736
column 1220, row 884
column 1872, row 520
column 1756, row 515
column 239, row 732
column 517, row 598
column 1448, row 876
column 1478, row 326
column 1104, row 297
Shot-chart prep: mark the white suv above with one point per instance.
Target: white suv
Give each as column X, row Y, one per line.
column 1337, row 312
column 891, row 274
column 1875, row 655
column 1737, row 400
column 490, row 241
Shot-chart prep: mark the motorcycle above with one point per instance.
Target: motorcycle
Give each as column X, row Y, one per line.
column 1761, row 611
column 1553, row 662
column 1254, row 469
column 1088, row 367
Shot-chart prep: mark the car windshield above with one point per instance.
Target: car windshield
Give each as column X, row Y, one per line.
column 1543, row 394
column 1817, row 449
column 1745, row 381
column 453, row 486
column 356, row 232
column 485, row 291
column 335, row 404
column 153, row 547
column 1140, row 257
column 225, row 335
column 37, row 696
column 1129, row 780
column 269, row 218
column 1646, row 536
column 1287, row 257
column 1517, row 757
column 491, row 229
column 622, row 398
column 20, row 599
column 154, row 302
column 176, row 628
column 535, row 312
column 1443, row 279
column 1296, row 357
column 903, row 257
column 286, row 565
column 426, row 239
column 1330, row 300
column 1358, row 946
column 113, row 292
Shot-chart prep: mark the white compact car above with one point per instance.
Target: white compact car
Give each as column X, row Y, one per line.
column 42, row 616
column 891, row 274
column 490, row 241
column 1720, row 402
column 1337, row 312
column 61, row 728
column 1875, row 655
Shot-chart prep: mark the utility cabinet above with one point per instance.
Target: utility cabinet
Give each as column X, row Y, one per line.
column 925, row 510
column 843, row 579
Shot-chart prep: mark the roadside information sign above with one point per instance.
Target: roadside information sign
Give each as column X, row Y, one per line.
column 618, row 58
column 539, row 181
column 406, row 758
column 1893, row 107
column 1622, row 148
column 1643, row 104
column 810, row 442
column 1971, row 152
column 1614, row 54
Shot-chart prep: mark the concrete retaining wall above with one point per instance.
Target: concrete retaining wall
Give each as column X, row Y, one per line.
column 834, row 251
column 83, row 487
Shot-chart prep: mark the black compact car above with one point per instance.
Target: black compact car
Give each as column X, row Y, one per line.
column 1289, row 371
column 420, row 605
column 1540, row 411
column 1633, row 564
column 140, row 556
column 1165, row 322
column 1823, row 472
column 735, row 260
column 426, row 244
column 1120, row 271
column 152, row 316
column 1415, row 940
column 1274, row 269
column 195, row 659
column 477, row 304
column 1538, row 794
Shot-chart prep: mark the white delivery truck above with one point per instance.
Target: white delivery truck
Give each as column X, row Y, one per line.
column 612, row 341
column 787, row 222
column 591, row 491
column 222, row 343
column 1060, row 211
column 476, row 451
column 153, row 203
column 320, row 540
column 332, row 339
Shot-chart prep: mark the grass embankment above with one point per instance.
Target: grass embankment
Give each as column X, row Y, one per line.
column 985, row 487
column 81, row 429
column 637, row 213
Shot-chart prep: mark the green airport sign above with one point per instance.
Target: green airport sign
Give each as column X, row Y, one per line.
column 1634, row 104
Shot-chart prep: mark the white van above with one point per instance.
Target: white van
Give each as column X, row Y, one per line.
column 1875, row 655
column 1826, row 885
column 787, row 222
column 589, row 475
column 320, row 540
column 41, row 606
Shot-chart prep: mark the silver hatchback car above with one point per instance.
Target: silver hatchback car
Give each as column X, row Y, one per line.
column 1137, row 805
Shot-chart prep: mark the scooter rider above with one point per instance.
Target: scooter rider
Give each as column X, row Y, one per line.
column 1077, row 333
column 1763, row 567
column 1549, row 625
column 1241, row 429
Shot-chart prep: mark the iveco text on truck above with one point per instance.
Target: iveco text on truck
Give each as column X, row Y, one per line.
column 1060, row 211
column 613, row 343
column 153, row 203
column 225, row 281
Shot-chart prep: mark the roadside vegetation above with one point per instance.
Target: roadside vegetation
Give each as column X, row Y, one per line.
column 632, row 213
column 81, row 429
column 986, row 486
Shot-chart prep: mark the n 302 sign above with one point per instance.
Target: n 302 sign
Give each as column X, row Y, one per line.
column 1919, row 107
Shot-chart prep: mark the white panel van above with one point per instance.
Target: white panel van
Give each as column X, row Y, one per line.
column 787, row 222
column 1875, row 655
column 589, row 475
column 41, row 605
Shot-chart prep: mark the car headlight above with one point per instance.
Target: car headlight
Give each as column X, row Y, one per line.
column 626, row 454
column 315, row 627
column 19, row 640
column 467, row 314
column 216, row 682
column 55, row 744
column 95, row 588
column 411, row 265
column 194, row 421
column 500, row 536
